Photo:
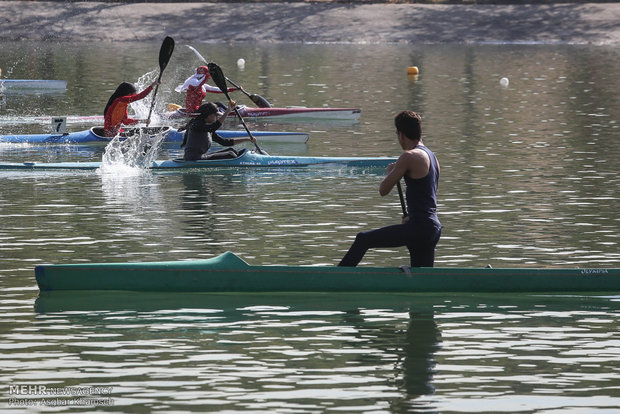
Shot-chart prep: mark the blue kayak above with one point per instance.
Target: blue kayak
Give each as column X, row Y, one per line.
column 247, row 158
column 95, row 134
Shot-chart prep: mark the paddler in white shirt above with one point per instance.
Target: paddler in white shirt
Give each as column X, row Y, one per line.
column 196, row 88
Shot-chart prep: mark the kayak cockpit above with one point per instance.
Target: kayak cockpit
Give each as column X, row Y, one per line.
column 241, row 153
column 129, row 132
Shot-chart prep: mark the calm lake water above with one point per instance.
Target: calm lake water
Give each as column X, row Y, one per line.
column 529, row 178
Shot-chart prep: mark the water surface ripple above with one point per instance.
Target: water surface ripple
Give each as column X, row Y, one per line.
column 529, row 178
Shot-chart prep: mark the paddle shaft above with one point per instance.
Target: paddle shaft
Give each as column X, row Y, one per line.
column 243, row 122
column 148, row 119
column 240, row 88
column 257, row 99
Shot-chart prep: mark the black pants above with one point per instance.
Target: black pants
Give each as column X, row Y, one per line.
column 420, row 238
column 192, row 154
column 221, row 154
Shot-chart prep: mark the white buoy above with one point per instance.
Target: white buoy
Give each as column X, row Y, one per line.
column 241, row 63
column 504, row 82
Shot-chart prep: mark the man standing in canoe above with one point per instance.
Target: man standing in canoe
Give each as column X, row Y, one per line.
column 420, row 229
column 196, row 88
column 115, row 113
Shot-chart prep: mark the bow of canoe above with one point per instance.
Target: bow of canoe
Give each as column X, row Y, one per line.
column 229, row 273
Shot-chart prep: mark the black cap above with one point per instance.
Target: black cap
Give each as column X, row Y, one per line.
column 207, row 109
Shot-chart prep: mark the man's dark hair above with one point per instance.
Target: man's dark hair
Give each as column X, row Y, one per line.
column 410, row 124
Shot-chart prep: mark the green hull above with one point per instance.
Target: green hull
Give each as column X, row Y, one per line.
column 229, row 273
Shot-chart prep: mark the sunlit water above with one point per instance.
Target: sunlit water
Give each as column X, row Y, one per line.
column 529, row 178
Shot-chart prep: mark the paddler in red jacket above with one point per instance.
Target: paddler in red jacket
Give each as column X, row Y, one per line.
column 115, row 113
column 196, row 89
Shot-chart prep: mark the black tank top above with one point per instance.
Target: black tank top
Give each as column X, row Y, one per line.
column 422, row 192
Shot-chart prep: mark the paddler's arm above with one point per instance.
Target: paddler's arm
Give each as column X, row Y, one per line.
column 393, row 173
column 141, row 95
column 413, row 163
column 231, row 107
column 214, row 89
column 230, row 141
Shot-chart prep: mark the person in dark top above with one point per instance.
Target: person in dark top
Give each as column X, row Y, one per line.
column 200, row 133
column 420, row 230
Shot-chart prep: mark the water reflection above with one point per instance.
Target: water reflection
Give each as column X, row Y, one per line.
column 201, row 210
column 410, row 350
column 131, row 190
column 402, row 354
column 383, row 352
column 529, row 178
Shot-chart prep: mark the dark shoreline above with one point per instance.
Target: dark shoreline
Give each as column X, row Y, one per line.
column 316, row 22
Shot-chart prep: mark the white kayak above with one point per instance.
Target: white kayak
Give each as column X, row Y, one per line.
column 43, row 84
column 296, row 113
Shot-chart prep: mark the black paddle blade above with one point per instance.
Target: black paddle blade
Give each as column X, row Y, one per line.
column 218, row 77
column 260, row 101
column 167, row 47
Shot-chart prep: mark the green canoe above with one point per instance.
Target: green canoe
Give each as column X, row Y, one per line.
column 229, row 273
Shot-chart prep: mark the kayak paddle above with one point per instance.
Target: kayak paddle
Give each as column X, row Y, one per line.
column 167, row 47
column 402, row 199
column 257, row 99
column 220, row 81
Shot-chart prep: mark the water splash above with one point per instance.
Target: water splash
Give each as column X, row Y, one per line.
column 131, row 155
column 134, row 154
column 142, row 107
